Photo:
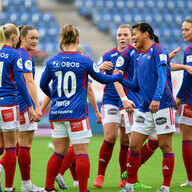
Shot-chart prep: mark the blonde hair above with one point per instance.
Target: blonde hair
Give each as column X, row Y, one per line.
column 6, row 31
column 79, row 49
column 127, row 26
column 189, row 20
column 68, row 36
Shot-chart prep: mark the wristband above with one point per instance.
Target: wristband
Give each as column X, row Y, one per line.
column 124, row 99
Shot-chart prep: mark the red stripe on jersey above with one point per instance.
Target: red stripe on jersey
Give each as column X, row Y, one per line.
column 187, row 51
column 124, row 53
column 159, row 48
column 112, row 50
column 11, row 73
column 29, row 55
column 170, row 94
column 85, row 87
column 68, row 52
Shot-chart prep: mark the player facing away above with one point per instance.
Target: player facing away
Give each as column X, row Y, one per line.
column 156, row 112
column 111, row 118
column 11, row 78
column 70, row 158
column 68, row 112
column 184, row 100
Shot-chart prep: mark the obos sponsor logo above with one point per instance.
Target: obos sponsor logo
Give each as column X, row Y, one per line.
column 69, row 64
column 140, row 119
column 28, row 65
column 95, row 68
column 19, row 63
column 113, row 111
column 161, row 120
column 120, row 61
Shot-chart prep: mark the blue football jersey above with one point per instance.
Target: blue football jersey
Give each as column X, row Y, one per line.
column 110, row 95
column 147, row 77
column 10, row 62
column 28, row 67
column 125, row 62
column 69, row 73
column 186, row 97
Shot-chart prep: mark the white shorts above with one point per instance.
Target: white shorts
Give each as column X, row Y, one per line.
column 153, row 124
column 128, row 119
column 77, row 131
column 25, row 125
column 9, row 118
column 185, row 114
column 111, row 114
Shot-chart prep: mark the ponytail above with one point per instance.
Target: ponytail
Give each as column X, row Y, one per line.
column 2, row 36
column 143, row 27
column 68, row 36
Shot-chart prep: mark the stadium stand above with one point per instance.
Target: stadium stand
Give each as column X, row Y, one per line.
column 166, row 17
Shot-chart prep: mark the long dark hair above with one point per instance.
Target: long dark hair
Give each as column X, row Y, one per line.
column 143, row 27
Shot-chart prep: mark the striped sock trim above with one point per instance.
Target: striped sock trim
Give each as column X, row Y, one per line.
column 59, row 155
column 108, row 143
column 167, row 155
column 10, row 149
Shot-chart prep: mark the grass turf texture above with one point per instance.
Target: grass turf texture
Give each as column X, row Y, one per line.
column 150, row 173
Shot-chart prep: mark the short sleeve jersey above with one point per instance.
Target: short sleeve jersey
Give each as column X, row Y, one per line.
column 28, row 67
column 187, row 95
column 110, row 95
column 10, row 62
column 69, row 73
column 125, row 63
column 147, row 77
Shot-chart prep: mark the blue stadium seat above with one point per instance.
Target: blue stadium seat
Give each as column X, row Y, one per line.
column 99, row 5
column 180, row 6
column 150, row 6
column 25, row 18
column 110, row 5
column 3, row 18
column 96, row 17
column 179, row 20
column 160, row 6
column 148, row 19
column 140, row 6
column 5, row 4
column 168, row 19
column 170, row 6
column 177, row 35
column 127, row 18
column 137, row 19
column 189, row 6
column 166, row 34
column 117, row 19
column 130, row 6
column 120, row 5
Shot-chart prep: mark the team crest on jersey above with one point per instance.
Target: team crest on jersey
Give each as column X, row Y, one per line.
column 148, row 57
column 28, row 65
column 163, row 57
column 189, row 58
column 95, row 68
column 56, row 64
column 19, row 63
column 100, row 60
column 120, row 61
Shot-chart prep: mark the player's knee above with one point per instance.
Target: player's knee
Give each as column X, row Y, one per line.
column 165, row 148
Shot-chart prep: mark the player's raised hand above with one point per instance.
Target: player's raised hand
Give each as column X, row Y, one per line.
column 173, row 53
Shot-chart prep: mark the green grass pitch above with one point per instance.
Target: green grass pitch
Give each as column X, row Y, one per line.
column 150, row 173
